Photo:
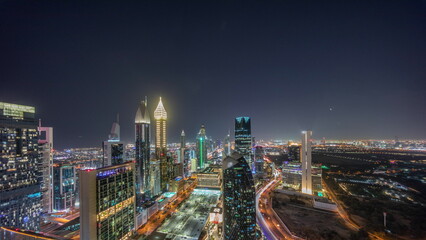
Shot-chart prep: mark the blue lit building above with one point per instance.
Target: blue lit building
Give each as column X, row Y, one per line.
column 243, row 139
column 20, row 182
column 239, row 197
column 64, row 187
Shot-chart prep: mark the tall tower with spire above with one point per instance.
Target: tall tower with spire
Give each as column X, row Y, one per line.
column 201, row 148
column 182, row 154
column 142, row 153
column 160, row 116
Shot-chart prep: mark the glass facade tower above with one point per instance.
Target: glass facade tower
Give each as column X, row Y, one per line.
column 20, row 182
column 201, row 148
column 142, row 144
column 243, row 140
column 239, row 196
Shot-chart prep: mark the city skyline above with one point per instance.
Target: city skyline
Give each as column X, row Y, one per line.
column 359, row 65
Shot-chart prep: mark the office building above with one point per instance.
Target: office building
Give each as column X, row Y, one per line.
column 64, row 187
column 201, row 148
column 243, row 139
column 45, row 141
column 210, row 177
column 20, row 182
column 293, row 152
column 107, row 202
column 306, row 156
column 142, row 152
column 160, row 116
column 239, row 197
column 113, row 149
column 155, row 178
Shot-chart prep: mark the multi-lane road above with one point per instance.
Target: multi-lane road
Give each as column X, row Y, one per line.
column 272, row 226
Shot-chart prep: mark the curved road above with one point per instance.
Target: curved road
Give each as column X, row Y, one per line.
column 272, row 226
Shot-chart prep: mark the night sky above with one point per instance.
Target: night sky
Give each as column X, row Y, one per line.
column 345, row 69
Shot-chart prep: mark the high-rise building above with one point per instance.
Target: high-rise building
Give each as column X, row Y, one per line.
column 239, row 197
column 64, row 187
column 183, row 158
column 142, row 151
column 45, row 141
column 155, row 178
column 227, row 146
column 293, row 152
column 113, row 149
column 306, row 156
column 243, row 138
column 107, row 202
column 201, row 148
column 160, row 116
column 20, row 190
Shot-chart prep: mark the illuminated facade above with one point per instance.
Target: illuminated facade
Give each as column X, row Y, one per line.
column 160, row 116
column 20, row 182
column 142, row 152
column 64, row 187
column 107, row 202
column 306, row 157
column 45, row 141
column 243, row 140
column 226, row 146
column 201, row 148
column 239, row 197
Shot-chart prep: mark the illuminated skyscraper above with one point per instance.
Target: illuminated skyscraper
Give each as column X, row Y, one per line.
column 243, row 140
column 239, row 197
column 182, row 146
column 306, row 156
column 201, row 148
column 107, row 202
column 113, row 149
column 45, row 141
column 227, row 146
column 64, row 187
column 183, row 160
column 20, row 182
column 142, row 153
column 160, row 116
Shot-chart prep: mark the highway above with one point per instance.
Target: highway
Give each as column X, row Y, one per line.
column 272, row 226
column 345, row 216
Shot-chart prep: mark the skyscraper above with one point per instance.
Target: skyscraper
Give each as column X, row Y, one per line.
column 160, row 116
column 243, row 138
column 64, row 187
column 107, row 202
column 227, row 146
column 306, row 156
column 183, row 161
column 142, row 153
column 113, row 149
column 201, row 148
column 20, row 192
column 45, row 141
column 239, row 196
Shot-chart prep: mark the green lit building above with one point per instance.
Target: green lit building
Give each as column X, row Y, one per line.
column 201, row 148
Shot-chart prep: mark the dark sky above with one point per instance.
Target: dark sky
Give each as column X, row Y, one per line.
column 284, row 63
